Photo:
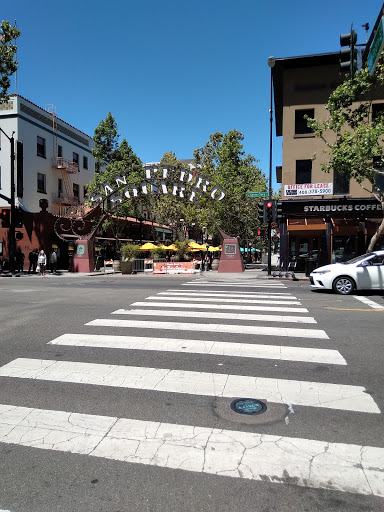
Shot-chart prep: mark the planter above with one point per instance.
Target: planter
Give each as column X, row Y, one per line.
column 126, row 267
column 215, row 263
column 116, row 265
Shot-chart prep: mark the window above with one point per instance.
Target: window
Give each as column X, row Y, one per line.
column 0, row 177
column 40, row 147
column 59, row 187
column 301, row 125
column 41, row 183
column 303, row 171
column 75, row 159
column 60, row 151
column 340, row 183
column 85, row 162
column 76, row 191
column 377, row 260
column 377, row 111
column 85, row 191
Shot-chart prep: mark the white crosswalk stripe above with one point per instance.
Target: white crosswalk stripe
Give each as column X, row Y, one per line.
column 211, row 314
column 258, row 330
column 278, row 352
column 216, row 299
column 233, row 453
column 231, row 307
column 237, row 454
column 314, row 394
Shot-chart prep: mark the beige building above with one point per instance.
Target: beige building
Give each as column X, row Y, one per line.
column 326, row 217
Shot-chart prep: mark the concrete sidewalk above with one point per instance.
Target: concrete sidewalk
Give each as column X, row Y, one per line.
column 211, row 275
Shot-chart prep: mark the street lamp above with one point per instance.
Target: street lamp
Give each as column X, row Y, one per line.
column 271, row 64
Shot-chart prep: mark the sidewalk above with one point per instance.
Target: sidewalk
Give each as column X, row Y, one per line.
column 211, row 275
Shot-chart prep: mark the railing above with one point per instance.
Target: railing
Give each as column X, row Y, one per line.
column 61, row 210
column 66, row 165
column 63, row 198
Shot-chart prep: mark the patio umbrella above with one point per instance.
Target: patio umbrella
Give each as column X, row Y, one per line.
column 194, row 245
column 149, row 246
column 172, row 247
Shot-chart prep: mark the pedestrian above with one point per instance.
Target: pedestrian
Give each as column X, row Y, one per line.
column 42, row 262
column 19, row 260
column 53, row 261
column 33, row 255
column 206, row 263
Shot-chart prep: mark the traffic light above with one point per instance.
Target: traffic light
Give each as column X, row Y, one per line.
column 19, row 218
column 269, row 210
column 279, row 211
column 348, row 56
column 261, row 209
column 5, row 218
column 260, row 232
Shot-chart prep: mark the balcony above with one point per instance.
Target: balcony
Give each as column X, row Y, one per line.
column 66, row 165
column 61, row 198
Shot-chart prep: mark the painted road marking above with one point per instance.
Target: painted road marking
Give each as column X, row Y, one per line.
column 234, row 329
column 215, row 299
column 248, row 455
column 282, row 391
column 356, row 309
column 282, row 353
column 231, row 307
column 215, row 293
column 369, row 302
column 237, row 285
column 214, row 314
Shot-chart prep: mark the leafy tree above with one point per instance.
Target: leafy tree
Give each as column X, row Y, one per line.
column 8, row 63
column 223, row 161
column 124, row 162
column 354, row 142
column 106, row 142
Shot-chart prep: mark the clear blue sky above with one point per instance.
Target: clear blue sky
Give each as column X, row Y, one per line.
column 171, row 72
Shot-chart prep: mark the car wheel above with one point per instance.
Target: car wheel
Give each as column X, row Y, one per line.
column 344, row 285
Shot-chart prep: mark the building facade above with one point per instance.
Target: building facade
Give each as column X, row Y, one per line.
column 57, row 158
column 327, row 218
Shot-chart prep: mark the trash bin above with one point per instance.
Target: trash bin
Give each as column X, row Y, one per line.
column 310, row 265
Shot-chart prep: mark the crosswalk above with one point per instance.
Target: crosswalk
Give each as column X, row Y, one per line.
column 233, row 323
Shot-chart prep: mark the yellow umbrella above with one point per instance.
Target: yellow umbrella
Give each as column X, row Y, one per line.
column 172, row 247
column 149, row 246
column 194, row 245
column 191, row 249
column 214, row 249
column 162, row 246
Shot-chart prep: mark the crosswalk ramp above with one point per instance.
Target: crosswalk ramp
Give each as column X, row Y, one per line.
column 217, row 322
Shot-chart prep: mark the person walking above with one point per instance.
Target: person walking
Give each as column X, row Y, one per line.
column 53, row 261
column 19, row 260
column 42, row 262
column 33, row 255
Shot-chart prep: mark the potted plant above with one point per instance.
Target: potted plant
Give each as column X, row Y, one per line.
column 128, row 253
column 159, row 253
column 182, row 250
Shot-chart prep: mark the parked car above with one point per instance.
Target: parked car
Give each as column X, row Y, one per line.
column 365, row 272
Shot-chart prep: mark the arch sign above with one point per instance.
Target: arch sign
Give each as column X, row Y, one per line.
column 166, row 181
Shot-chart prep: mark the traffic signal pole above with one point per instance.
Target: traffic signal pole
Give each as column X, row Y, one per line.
column 271, row 63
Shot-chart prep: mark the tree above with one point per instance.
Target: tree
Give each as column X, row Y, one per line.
column 8, row 63
column 223, row 161
column 354, row 141
column 106, row 141
column 123, row 162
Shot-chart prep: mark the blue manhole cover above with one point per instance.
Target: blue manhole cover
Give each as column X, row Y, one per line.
column 248, row 406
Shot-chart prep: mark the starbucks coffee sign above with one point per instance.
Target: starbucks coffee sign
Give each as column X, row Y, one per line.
column 167, row 181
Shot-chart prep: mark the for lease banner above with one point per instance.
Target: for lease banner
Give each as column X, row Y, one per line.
column 187, row 267
column 308, row 189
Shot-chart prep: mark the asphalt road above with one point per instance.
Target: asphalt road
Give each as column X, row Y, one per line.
column 35, row 311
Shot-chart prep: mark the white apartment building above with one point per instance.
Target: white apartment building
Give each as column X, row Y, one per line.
column 57, row 163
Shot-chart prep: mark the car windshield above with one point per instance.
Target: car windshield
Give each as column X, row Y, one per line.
column 359, row 258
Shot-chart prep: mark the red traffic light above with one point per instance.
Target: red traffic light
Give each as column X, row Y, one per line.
column 269, row 204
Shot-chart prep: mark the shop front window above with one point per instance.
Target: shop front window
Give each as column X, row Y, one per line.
column 343, row 248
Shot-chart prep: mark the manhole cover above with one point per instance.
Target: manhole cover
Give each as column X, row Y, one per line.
column 248, row 406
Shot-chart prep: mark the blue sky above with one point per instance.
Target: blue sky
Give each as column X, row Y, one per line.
column 171, row 72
